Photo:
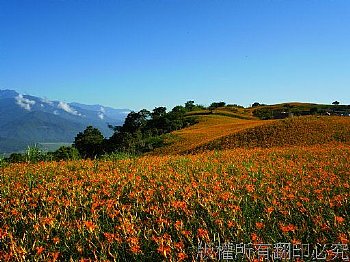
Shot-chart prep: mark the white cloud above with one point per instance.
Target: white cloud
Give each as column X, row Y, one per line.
column 24, row 102
column 101, row 115
column 64, row 106
column 47, row 101
column 55, row 113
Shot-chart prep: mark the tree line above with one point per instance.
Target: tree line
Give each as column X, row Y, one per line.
column 141, row 132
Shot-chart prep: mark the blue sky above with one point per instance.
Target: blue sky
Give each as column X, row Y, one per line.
column 145, row 53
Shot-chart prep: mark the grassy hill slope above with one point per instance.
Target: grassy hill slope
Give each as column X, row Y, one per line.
column 209, row 128
column 226, row 128
column 298, row 131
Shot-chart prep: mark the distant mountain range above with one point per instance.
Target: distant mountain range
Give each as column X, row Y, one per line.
column 26, row 120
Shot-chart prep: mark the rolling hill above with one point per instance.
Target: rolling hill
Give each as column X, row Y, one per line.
column 209, row 128
column 297, row 131
column 226, row 130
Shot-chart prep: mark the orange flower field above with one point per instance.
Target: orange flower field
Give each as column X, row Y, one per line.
column 162, row 208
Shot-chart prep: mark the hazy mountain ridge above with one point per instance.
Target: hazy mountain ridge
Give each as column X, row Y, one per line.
column 26, row 119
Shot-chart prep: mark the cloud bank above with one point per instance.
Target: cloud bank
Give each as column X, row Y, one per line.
column 25, row 103
column 47, row 101
column 64, row 106
column 101, row 115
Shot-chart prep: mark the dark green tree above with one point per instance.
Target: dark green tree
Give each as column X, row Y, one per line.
column 89, row 143
column 15, row 158
column 189, row 105
column 66, row 153
column 217, row 104
column 142, row 131
column 135, row 121
column 263, row 113
column 313, row 110
column 178, row 111
column 158, row 112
